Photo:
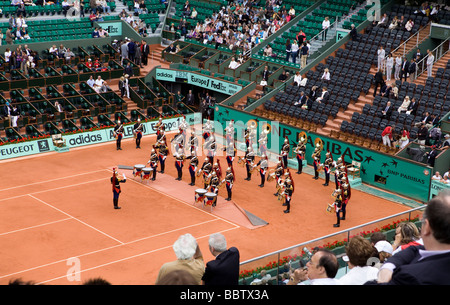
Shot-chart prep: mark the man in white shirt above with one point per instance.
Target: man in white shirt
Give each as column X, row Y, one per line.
column 389, row 66
column 430, row 62
column 381, row 54
column 398, row 67
column 233, row 64
column 320, row 270
column 358, row 251
column 436, row 176
column 325, row 26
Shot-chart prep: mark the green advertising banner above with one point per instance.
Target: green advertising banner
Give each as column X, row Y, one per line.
column 198, row 80
column 21, row 149
column 385, row 171
column 27, row 148
column 113, row 28
column 436, row 187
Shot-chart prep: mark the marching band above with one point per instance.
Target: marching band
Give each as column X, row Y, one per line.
column 211, row 171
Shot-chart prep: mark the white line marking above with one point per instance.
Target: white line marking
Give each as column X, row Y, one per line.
column 36, row 226
column 45, row 181
column 115, row 239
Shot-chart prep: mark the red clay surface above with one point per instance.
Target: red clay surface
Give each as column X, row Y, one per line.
column 58, row 206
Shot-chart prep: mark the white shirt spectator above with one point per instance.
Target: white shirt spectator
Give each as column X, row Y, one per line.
column 359, row 275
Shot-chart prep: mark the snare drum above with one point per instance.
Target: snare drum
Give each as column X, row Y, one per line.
column 211, row 199
column 147, row 171
column 200, row 195
column 137, row 171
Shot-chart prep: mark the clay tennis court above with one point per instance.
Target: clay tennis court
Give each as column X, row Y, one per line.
column 57, row 209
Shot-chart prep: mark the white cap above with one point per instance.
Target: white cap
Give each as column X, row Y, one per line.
column 384, row 246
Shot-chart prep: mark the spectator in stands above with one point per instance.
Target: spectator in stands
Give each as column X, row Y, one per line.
column 66, row 6
column 105, row 87
column 94, row 7
column 128, row 70
column 268, row 51
column 379, row 81
column 326, row 75
column 358, row 251
column 288, row 48
column 294, row 51
column 406, row 234
column 422, row 134
column 398, row 67
column 297, row 78
column 394, row 23
column 387, row 135
column 304, row 52
column 389, row 66
column 384, row 21
column 301, row 37
column 325, row 26
column 412, row 69
column 354, row 33
column 95, row 33
column 233, row 63
column 324, row 96
column 427, row 264
column 224, row 270
column 126, row 85
column 68, row 55
column 102, row 32
column 437, row 176
column 381, row 57
column 283, row 76
column 431, row 155
column 91, row 81
column 430, row 62
column 412, row 107
column 321, row 269
column 446, row 143
column 263, row 278
column 384, row 249
column 405, row 104
column 186, row 9
column 15, row 114
column 409, row 25
column 189, row 258
column 404, row 138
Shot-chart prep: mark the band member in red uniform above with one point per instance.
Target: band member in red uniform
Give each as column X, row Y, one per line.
column 327, row 164
column 193, row 164
column 137, row 130
column 285, row 149
column 231, row 153
column 193, row 143
column 288, row 192
column 263, row 164
column 337, row 204
column 163, row 151
column 118, row 134
column 153, row 163
column 346, row 194
column 249, row 158
column 116, row 181
column 229, row 180
column 300, row 150
column 179, row 160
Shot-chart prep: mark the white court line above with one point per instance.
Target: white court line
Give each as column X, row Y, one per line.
column 45, row 181
column 115, row 239
column 53, row 189
column 123, row 259
column 36, row 226
column 112, row 247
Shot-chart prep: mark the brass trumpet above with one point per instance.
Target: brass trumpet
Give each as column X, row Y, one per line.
column 330, row 208
column 241, row 161
column 199, row 173
column 271, row 175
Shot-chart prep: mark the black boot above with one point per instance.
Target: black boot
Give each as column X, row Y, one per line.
column 116, row 204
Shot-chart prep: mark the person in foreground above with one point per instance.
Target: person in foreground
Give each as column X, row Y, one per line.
column 224, row 270
column 320, row 270
column 189, row 258
column 427, row 264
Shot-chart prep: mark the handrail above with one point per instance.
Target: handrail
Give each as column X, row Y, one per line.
column 439, row 51
column 330, row 27
column 330, row 235
column 417, row 35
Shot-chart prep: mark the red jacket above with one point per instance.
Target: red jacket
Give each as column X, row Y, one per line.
column 387, row 131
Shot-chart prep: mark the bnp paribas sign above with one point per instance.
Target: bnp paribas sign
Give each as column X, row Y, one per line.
column 386, row 171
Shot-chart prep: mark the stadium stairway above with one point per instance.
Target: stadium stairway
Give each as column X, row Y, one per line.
column 411, row 44
column 440, row 64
